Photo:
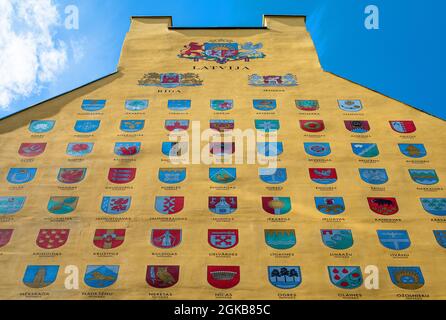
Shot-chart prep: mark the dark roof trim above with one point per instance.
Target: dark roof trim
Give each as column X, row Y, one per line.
column 58, row 96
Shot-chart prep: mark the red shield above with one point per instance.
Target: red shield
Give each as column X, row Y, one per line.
column 5, row 236
column 162, row 276
column 71, row 176
column 223, row 277
column 383, row 206
column 109, row 238
column 222, row 205
column 52, row 238
column 166, row 238
column 31, row 149
column 121, row 175
column 312, row 125
column 357, row 126
column 223, row 238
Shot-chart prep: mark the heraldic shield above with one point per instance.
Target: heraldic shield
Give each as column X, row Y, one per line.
column 317, row 149
column 11, row 205
column 52, row 238
column 127, row 148
column 79, row 149
column 109, row 238
column 330, row 205
column 273, row 175
column 264, row 105
column 41, row 126
column 93, row 105
column 357, row 126
column 312, row 125
column 71, row 175
column 222, row 105
column 374, row 176
column 179, row 105
column 383, row 206
column 285, row 277
column 136, row 105
column 222, row 149
column 223, row 277
column 280, row 239
column 345, row 277
column 350, row 105
column 435, row 206
column 365, row 150
column 5, row 236
column 21, row 175
column 116, row 205
column 169, row 205
column 62, row 205
column 132, row 125
column 276, row 205
column 394, row 239
column 222, row 205
column 121, row 175
column 222, row 125
column 270, row 149
column 337, row 239
column 307, row 105
column 440, row 236
column 403, row 126
column 30, row 150
column 413, row 150
column 176, row 125
column 222, row 175
column 424, row 176
column 166, row 238
column 267, row 125
column 409, row 278
column 87, row 126
column 38, row 277
column 172, row 176
column 323, row 175
column 101, row 276
column 223, row 238
column 162, row 277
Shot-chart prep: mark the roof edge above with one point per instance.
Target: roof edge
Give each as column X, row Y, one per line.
column 59, row 95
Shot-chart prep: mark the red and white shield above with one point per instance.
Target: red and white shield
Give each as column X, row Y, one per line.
column 223, row 238
column 383, row 206
column 109, row 238
column 31, row 149
column 166, row 238
column 162, row 276
column 223, row 277
column 121, row 175
column 5, row 236
column 52, row 238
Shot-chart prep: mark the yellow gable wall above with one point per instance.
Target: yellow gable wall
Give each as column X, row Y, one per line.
column 151, row 46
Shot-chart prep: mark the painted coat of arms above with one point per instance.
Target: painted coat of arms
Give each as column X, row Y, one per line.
column 337, row 239
column 52, row 238
column 409, row 278
column 222, row 51
column 62, row 205
column 403, row 126
column 11, row 205
column 127, row 148
column 435, row 206
column 413, row 150
column 5, row 236
column 21, row 175
column 357, row 126
column 162, row 277
column 101, row 276
column 374, row 176
column 79, row 149
column 71, row 175
column 424, row 176
column 169, row 205
column 223, row 277
column 394, row 239
column 276, row 205
column 312, row 125
column 383, row 206
column 307, row 105
column 170, row 80
column 41, row 126
column 172, row 176
column 30, row 150
column 222, row 175
column 330, row 205
column 109, row 238
column 318, row 149
column 222, row 205
column 273, row 175
column 285, row 277
column 365, row 150
column 38, row 277
column 223, row 238
column 323, row 175
column 288, row 80
column 121, row 175
column 166, row 238
column 116, row 205
column 345, row 277
column 280, row 239
column 264, row 104
column 350, row 105
column 440, row 236
column 93, row 105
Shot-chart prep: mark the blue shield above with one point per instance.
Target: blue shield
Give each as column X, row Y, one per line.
column 132, row 125
column 101, row 276
column 222, row 105
column 87, row 126
column 337, row 239
column 79, row 149
column 409, row 278
column 345, row 277
column 136, row 105
column 175, row 149
column 93, row 105
column 222, row 175
column 41, row 126
column 394, row 239
column 413, row 150
column 62, row 205
column 116, row 205
column 37, row 277
column 127, row 148
column 330, row 205
column 270, row 149
column 285, row 277
column 440, row 236
column 374, row 176
column 435, row 206
column 424, row 176
column 267, row 125
column 365, row 150
column 172, row 176
column 21, row 175
column 280, row 239
column 179, row 105
column 317, row 149
column 350, row 105
column 273, row 175
column 11, row 205
column 265, row 105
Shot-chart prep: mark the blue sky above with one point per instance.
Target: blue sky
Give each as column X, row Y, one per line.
column 402, row 60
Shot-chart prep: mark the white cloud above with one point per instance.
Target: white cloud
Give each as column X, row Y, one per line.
column 30, row 56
